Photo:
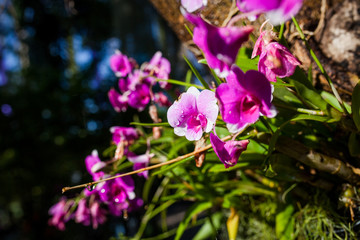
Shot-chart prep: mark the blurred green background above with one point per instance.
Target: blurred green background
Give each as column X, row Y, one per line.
column 54, row 78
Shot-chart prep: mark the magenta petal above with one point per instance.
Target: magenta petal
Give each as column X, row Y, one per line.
column 220, row 45
column 93, row 163
column 243, row 98
column 285, row 11
column 228, row 152
column 229, row 103
column 277, row 11
column 117, row 190
column 258, row 85
column 140, row 161
column 123, row 134
column 120, row 64
column 59, row 213
column 158, row 67
column 82, row 214
column 259, row 5
column 139, row 97
column 119, row 102
column 277, row 61
column 98, row 215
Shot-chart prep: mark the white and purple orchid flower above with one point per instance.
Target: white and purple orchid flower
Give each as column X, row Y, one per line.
column 194, row 113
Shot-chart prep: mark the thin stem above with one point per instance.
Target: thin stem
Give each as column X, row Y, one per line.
column 302, row 36
column 177, row 82
column 263, row 25
column 301, row 110
column 241, row 16
column 281, row 32
column 143, row 169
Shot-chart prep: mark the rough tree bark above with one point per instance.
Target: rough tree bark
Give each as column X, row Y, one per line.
column 331, row 26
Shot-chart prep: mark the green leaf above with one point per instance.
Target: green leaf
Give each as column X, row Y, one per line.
column 251, row 188
column 178, row 144
column 310, row 77
column 246, row 160
column 298, row 117
column 311, row 96
column 217, row 79
column 286, row 96
column 203, row 61
column 353, row 144
column 147, row 188
column 167, row 168
column 331, row 99
column 355, row 105
column 177, row 82
column 109, row 152
column 193, row 210
column 285, row 223
column 161, row 208
column 164, row 124
column 197, row 74
column 188, row 78
column 205, row 231
column 189, row 30
column 244, row 61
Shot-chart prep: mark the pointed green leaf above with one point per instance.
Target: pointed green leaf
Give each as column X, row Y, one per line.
column 163, row 124
column 167, row 168
column 205, row 231
column 244, row 61
column 193, row 210
column 354, row 144
column 197, row 74
column 355, row 105
column 311, row 96
column 177, row 82
column 285, row 223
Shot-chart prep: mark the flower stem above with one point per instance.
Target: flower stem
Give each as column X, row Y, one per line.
column 144, row 169
column 301, row 110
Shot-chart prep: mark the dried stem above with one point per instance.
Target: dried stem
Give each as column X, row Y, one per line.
column 144, row 169
column 318, row 161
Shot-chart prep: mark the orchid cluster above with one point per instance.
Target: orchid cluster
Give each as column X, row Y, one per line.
column 115, row 197
column 239, row 105
column 135, row 85
column 243, row 98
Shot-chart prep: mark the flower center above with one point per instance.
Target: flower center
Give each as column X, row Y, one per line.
column 197, row 122
column 250, row 104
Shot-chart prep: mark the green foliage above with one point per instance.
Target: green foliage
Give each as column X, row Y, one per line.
column 355, row 105
column 317, row 220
